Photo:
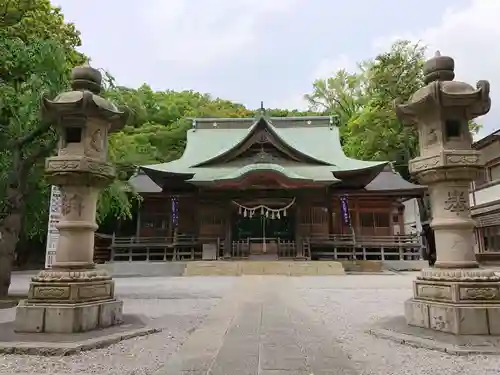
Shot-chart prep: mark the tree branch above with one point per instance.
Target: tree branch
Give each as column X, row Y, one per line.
column 43, row 151
column 35, row 133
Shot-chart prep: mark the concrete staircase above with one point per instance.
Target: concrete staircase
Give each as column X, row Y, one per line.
column 263, row 257
column 284, row 268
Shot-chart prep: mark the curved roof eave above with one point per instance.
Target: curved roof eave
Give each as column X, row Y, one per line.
column 163, row 168
column 266, row 167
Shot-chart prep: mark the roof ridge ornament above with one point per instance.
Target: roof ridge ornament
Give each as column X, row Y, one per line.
column 262, row 114
column 334, row 121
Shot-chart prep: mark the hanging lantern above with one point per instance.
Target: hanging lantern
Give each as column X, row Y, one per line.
column 284, row 212
column 240, row 211
column 278, row 215
column 262, row 210
column 245, row 213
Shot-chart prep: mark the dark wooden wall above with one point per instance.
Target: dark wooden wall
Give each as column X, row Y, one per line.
column 208, row 214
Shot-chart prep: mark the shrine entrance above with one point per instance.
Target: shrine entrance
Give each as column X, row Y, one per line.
column 264, row 226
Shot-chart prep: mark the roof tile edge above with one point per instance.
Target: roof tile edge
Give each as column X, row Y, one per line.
column 277, row 122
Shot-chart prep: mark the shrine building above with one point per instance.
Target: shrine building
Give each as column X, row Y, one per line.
column 269, row 188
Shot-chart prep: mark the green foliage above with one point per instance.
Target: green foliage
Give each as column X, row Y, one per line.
column 40, row 20
column 342, row 94
column 156, row 130
column 374, row 131
column 38, row 51
column 363, row 102
column 12, row 11
column 155, row 133
column 26, row 71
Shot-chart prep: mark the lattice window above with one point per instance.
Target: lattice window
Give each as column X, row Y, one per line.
column 154, row 221
column 482, row 178
column 211, row 217
column 314, row 216
column 381, row 219
column 366, row 219
column 491, row 238
column 494, row 172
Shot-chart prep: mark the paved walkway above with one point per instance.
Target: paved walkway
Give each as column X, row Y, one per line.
column 262, row 327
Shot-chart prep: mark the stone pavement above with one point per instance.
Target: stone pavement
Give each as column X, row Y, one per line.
column 262, row 327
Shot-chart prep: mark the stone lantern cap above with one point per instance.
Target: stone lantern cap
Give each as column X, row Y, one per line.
column 442, row 91
column 84, row 99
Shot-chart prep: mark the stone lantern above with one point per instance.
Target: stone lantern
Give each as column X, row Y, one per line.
column 455, row 296
column 74, row 296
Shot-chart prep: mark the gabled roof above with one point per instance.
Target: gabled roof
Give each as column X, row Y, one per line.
column 485, row 141
column 389, row 180
column 315, row 138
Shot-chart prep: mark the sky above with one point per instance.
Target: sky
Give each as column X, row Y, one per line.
column 250, row 51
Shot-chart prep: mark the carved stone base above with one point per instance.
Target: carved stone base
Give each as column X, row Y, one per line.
column 67, row 301
column 467, row 307
column 71, row 292
column 67, row 318
column 71, row 275
column 458, row 274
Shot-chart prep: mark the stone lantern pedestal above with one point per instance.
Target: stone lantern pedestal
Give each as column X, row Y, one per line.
column 456, row 296
column 74, row 296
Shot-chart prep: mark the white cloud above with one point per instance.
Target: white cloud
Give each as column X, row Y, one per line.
column 327, row 66
column 200, row 33
column 471, row 36
column 292, row 102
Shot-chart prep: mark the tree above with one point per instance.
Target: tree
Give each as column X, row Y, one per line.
column 37, row 55
column 39, row 19
column 12, row 11
column 342, row 94
column 155, row 133
column 364, row 102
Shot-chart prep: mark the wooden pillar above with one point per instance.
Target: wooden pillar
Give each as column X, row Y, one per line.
column 298, row 236
column 196, row 215
column 329, row 202
column 228, row 240
column 138, row 226
column 170, row 233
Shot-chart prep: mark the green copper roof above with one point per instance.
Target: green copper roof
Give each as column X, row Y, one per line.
column 314, row 137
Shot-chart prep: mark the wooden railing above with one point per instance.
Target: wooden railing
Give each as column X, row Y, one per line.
column 335, row 246
column 395, row 240
column 287, row 249
column 158, row 241
column 180, row 247
column 346, row 246
column 240, row 249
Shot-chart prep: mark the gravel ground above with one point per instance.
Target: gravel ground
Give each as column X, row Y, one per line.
column 178, row 303
column 346, row 304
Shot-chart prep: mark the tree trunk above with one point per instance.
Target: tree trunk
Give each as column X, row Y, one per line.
column 11, row 222
column 10, row 229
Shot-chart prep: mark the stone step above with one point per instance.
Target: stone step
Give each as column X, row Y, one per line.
column 284, row 268
column 263, row 257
